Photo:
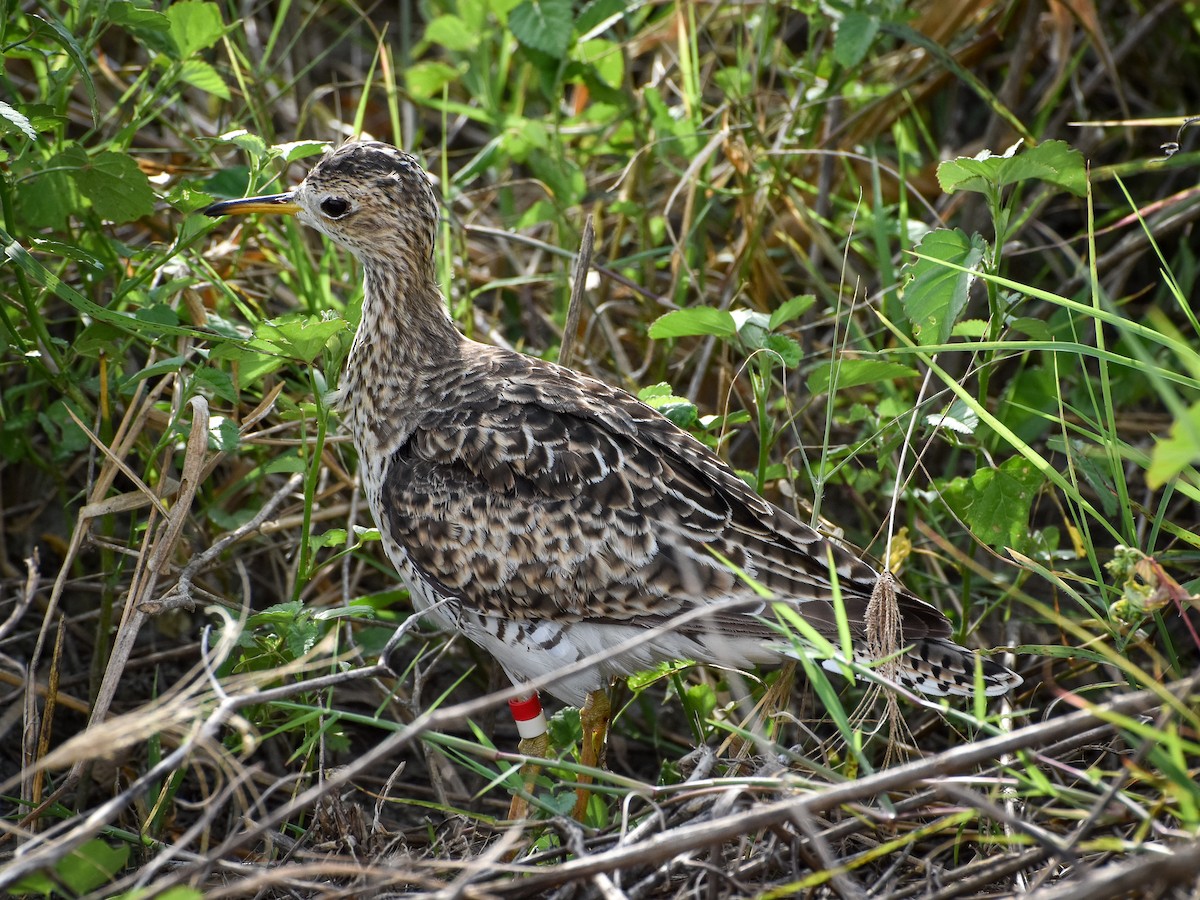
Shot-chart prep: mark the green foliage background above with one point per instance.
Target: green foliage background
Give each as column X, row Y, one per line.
column 915, row 269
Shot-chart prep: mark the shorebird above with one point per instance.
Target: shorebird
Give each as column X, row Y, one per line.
column 551, row 517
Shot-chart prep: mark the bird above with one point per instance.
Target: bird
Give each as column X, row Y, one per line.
column 550, row 516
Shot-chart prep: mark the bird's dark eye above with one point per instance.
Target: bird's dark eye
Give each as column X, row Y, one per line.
column 335, row 207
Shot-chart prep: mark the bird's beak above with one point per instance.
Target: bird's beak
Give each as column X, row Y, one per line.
column 273, row 203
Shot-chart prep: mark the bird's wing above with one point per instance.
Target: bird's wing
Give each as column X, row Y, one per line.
column 540, row 493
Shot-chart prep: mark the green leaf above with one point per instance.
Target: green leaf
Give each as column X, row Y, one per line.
column 855, row 372
column 151, row 28
column 218, row 383
column 117, row 188
column 544, row 25
column 791, row 309
column 1177, row 451
column 855, row 34
column 9, row 114
column 688, row 322
column 425, row 80
column 334, row 537
column 200, row 74
column 299, row 336
column 597, row 11
column 91, row 865
column 996, row 502
column 1053, row 162
column 452, row 33
column 785, row 348
column 58, row 33
column 935, row 295
column 679, row 410
column 49, row 198
column 195, row 26
column 290, row 151
column 223, row 434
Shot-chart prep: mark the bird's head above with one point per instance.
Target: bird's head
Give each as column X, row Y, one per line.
column 367, row 196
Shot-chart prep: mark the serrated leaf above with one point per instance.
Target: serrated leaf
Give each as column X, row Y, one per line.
column 300, row 337
column 195, row 26
column 855, row 372
column 17, row 119
column 690, row 322
column 151, row 28
column 1053, row 162
column 251, row 143
column 291, row 151
column 785, row 348
column 49, row 198
column 218, row 383
column 855, row 33
column 934, row 295
column 118, row 190
column 544, row 25
column 223, row 434
column 200, row 74
column 996, row 502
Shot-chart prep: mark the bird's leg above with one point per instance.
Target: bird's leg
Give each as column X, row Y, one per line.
column 535, row 742
column 593, row 717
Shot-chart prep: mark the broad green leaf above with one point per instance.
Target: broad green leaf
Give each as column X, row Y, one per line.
column 689, row 322
column 195, row 25
column 200, row 74
column 933, row 294
column 452, row 33
column 49, row 198
column 594, row 12
column 425, row 80
column 995, row 502
column 300, row 337
column 855, row 33
column 92, row 865
column 855, row 372
column 218, row 383
column 1177, row 451
column 791, row 309
column 18, row 120
column 785, row 348
column 151, row 28
column 1053, row 162
column 290, row 151
column 544, row 25
column 223, row 434
column 679, row 410
column 118, row 190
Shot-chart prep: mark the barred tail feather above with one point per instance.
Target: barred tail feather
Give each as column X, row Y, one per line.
column 941, row 668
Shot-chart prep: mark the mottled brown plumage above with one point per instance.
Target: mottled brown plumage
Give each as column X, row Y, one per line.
column 557, row 515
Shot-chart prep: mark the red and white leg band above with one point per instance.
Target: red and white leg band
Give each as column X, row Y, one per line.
column 527, row 712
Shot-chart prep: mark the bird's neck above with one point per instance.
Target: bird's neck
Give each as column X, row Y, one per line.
column 405, row 348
